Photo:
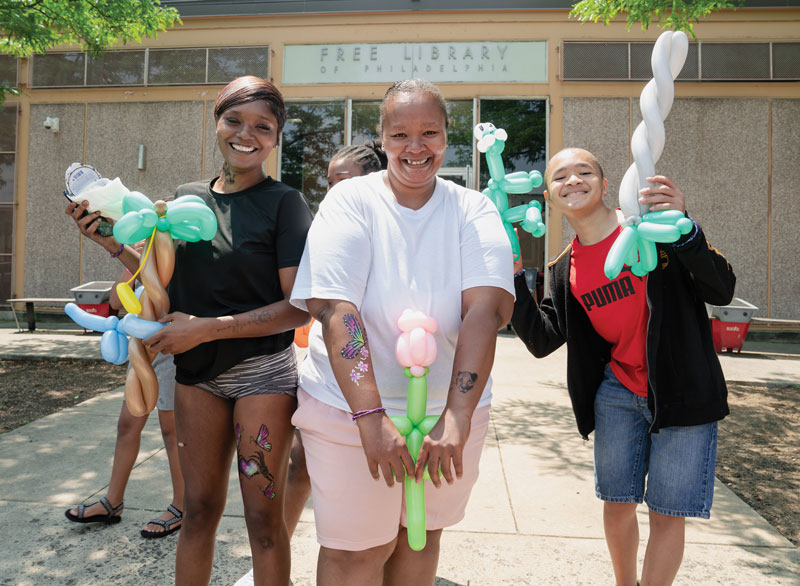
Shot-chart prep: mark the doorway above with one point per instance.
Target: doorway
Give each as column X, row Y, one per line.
column 315, row 130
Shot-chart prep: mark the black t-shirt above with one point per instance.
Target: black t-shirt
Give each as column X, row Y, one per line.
column 260, row 230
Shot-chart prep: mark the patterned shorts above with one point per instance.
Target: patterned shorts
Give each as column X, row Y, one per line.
column 272, row 374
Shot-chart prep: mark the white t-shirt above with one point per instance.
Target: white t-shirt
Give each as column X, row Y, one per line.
column 366, row 248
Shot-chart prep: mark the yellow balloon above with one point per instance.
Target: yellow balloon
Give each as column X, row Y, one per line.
column 128, row 298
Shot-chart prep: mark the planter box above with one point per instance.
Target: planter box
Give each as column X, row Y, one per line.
column 93, row 293
column 729, row 324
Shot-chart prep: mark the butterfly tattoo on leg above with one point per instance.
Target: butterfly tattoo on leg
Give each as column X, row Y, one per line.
column 261, row 439
column 355, row 348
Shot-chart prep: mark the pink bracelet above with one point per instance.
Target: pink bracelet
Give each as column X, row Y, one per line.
column 358, row 414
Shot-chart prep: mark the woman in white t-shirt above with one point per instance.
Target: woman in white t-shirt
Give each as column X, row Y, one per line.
column 393, row 240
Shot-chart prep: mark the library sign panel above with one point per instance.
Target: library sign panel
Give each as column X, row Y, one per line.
column 487, row 62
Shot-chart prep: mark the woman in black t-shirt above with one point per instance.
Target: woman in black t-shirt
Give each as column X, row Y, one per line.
column 231, row 332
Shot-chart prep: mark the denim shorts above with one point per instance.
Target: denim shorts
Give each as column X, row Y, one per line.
column 678, row 462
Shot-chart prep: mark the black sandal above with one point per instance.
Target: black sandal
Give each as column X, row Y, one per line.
column 111, row 517
column 167, row 525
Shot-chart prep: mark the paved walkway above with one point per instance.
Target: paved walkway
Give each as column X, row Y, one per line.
column 532, row 519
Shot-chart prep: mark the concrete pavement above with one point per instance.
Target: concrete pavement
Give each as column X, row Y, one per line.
column 532, row 519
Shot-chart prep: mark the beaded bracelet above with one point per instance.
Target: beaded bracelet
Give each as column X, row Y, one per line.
column 358, row 414
column 519, row 274
column 693, row 233
column 116, row 254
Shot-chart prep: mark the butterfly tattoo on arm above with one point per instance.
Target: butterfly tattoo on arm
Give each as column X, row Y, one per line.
column 355, row 348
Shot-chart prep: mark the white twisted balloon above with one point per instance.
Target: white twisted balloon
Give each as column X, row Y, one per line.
column 635, row 246
column 647, row 143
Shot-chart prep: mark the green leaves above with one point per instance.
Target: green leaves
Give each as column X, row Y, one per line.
column 35, row 26
column 679, row 15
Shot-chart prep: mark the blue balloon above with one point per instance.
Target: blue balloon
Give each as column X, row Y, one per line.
column 90, row 321
column 137, row 327
column 113, row 344
column 114, row 347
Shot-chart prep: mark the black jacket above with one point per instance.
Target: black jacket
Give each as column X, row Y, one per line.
column 685, row 381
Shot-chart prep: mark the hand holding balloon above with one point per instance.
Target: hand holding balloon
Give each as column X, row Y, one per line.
column 183, row 333
column 138, row 218
column 89, row 222
column 662, row 194
column 635, row 246
column 416, row 350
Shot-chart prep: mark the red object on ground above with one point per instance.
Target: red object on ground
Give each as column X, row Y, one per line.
column 728, row 335
column 101, row 309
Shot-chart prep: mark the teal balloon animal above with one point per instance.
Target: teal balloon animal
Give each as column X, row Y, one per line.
column 187, row 218
column 416, row 350
column 491, row 142
column 635, row 246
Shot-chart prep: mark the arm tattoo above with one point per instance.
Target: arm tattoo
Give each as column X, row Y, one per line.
column 465, row 380
column 261, row 316
column 356, row 347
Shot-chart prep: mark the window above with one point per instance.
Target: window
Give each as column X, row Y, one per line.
column 457, row 165
column 735, row 61
column 116, row 68
column 8, row 70
column 642, row 70
column 8, row 145
column 59, row 70
column 176, row 66
column 195, row 66
column 229, row 63
column 365, row 117
column 786, row 60
column 314, row 131
column 525, row 121
column 587, row 61
column 592, row 61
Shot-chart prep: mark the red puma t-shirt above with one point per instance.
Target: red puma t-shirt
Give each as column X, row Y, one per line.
column 617, row 309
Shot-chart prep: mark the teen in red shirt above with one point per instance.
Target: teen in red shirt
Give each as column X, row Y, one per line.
column 641, row 368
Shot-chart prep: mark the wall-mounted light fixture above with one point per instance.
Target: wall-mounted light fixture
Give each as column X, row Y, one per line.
column 140, row 163
column 52, row 124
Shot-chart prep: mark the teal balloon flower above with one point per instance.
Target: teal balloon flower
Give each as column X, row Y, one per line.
column 636, row 244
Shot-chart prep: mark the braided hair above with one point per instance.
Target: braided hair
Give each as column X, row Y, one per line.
column 369, row 156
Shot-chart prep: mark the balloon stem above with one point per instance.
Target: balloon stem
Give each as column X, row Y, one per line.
column 146, row 254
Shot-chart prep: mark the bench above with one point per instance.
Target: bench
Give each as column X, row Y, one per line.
column 774, row 324
column 30, row 302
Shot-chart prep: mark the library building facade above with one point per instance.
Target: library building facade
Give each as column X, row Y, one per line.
column 143, row 113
